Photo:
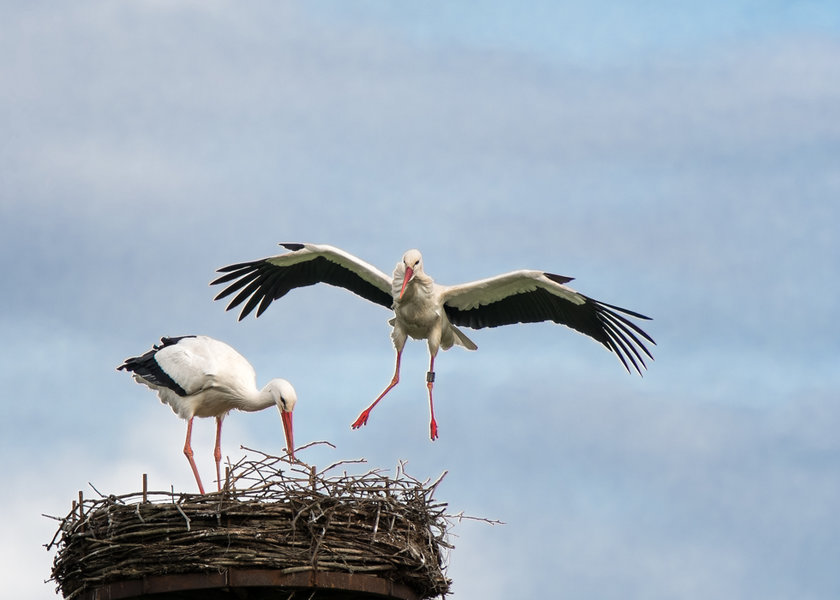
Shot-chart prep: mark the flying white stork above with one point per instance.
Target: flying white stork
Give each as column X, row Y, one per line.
column 199, row 376
column 426, row 310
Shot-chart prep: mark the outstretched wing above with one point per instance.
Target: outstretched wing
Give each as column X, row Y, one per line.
column 262, row 281
column 531, row 296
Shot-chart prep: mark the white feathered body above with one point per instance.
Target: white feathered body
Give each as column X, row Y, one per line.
column 419, row 312
column 214, row 376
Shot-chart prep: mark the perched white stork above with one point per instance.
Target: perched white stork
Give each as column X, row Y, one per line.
column 199, row 376
column 426, row 310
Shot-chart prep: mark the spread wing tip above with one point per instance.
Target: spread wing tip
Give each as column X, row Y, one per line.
column 621, row 336
column 237, row 266
column 627, row 311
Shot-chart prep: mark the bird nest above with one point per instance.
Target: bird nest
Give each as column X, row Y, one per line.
column 269, row 515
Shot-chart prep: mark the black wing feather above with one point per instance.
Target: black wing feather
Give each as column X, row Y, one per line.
column 147, row 367
column 271, row 288
column 246, row 275
column 263, row 282
column 622, row 346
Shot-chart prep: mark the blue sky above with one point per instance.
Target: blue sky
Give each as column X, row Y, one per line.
column 676, row 159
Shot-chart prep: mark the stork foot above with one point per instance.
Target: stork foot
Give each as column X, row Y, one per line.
column 362, row 420
column 433, row 434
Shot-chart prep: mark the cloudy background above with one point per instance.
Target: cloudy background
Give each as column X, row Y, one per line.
column 679, row 159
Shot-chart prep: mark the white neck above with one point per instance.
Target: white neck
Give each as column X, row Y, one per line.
column 256, row 400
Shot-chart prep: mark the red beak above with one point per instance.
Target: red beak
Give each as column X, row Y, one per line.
column 287, row 428
column 409, row 272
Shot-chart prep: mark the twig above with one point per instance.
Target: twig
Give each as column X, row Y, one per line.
column 101, row 495
column 460, row 516
column 180, row 510
column 342, row 462
column 437, row 481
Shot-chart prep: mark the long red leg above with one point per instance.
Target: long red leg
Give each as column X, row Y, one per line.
column 430, row 381
column 363, row 417
column 188, row 452
column 217, row 453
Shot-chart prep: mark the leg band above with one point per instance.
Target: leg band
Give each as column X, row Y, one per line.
column 430, row 376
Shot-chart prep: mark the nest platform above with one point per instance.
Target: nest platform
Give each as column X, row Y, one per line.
column 274, row 526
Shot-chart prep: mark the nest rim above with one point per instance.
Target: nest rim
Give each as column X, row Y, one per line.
column 297, row 528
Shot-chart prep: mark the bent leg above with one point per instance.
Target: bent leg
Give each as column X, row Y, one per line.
column 363, row 417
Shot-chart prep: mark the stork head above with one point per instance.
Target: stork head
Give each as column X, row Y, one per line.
column 285, row 397
column 413, row 262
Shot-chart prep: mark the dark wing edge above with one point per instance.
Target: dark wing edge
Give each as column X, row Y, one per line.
column 603, row 322
column 262, row 281
column 147, row 367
